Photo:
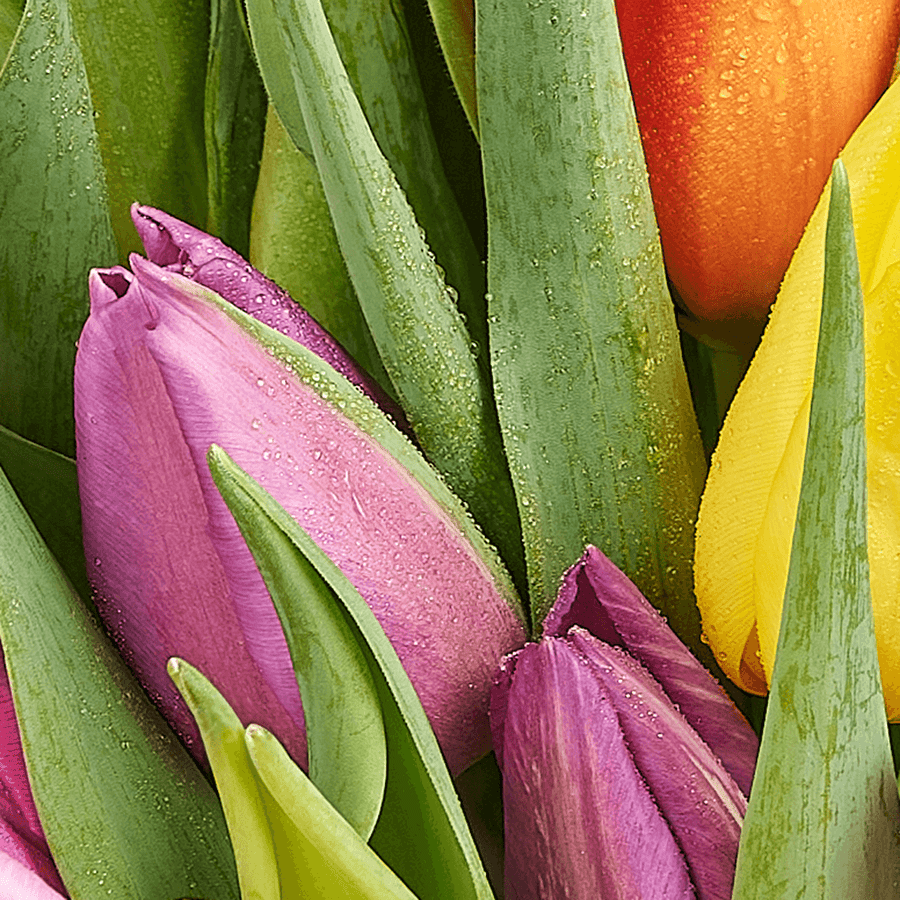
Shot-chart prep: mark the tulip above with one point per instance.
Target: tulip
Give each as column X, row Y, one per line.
column 742, row 109
column 163, row 371
column 749, row 507
column 625, row 766
column 27, row 869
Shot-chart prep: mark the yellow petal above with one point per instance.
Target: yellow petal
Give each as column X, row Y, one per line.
column 746, row 518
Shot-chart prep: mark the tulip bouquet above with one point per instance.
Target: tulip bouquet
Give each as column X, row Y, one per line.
column 335, row 562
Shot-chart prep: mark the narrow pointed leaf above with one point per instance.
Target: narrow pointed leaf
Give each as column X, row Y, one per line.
column 411, row 312
column 594, row 403
column 54, row 224
column 124, row 809
column 236, row 782
column 454, row 21
column 234, row 120
column 46, row 484
column 823, row 818
column 422, row 833
column 344, row 727
column 148, row 105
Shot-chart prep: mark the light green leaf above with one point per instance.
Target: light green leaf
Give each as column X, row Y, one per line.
column 421, row 833
column 146, row 66
column 412, row 314
column 322, row 855
column 125, row 810
column 345, row 731
column 54, row 224
column 234, row 119
column 10, row 17
column 597, row 417
column 454, row 21
column 823, row 818
column 46, row 484
column 239, row 790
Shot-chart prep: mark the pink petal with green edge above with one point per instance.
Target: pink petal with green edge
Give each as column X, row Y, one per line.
column 697, row 797
column 425, row 582
column 21, row 836
column 154, row 559
column 579, row 820
column 181, row 248
column 598, row 597
column 18, row 882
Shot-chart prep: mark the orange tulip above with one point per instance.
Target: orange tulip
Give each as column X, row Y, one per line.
column 743, row 107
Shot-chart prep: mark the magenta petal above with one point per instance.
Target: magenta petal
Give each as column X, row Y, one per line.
column 598, row 597
column 18, row 882
column 162, row 373
column 698, row 798
column 21, row 836
column 182, row 248
column 579, row 820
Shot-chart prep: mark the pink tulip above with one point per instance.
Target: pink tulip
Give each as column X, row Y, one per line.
column 162, row 373
column 621, row 756
column 26, row 866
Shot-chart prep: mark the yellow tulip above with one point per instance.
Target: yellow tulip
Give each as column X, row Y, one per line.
column 749, row 507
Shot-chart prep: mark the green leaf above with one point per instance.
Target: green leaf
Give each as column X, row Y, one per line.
column 47, row 486
column 234, row 119
column 422, row 833
column 321, row 855
column 146, row 66
column 411, row 312
column 292, row 240
column 345, row 731
column 823, row 818
column 10, row 16
column 239, row 790
column 54, row 224
column 125, row 810
column 597, row 417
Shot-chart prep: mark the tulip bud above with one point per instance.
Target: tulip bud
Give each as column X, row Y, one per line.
column 608, row 787
column 163, row 371
column 742, row 109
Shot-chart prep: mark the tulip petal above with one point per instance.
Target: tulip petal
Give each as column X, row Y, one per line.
column 697, row 797
column 579, row 820
column 597, row 596
column 21, row 835
column 205, row 259
column 18, row 882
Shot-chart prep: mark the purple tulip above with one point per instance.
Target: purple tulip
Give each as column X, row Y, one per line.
column 162, row 372
column 621, row 756
column 26, row 866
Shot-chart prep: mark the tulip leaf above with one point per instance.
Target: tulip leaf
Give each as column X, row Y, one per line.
column 54, row 223
column 345, row 731
column 422, row 340
column 320, row 854
column 234, row 118
column 148, row 105
column 823, row 815
column 292, row 241
column 10, row 17
column 125, row 810
column 47, row 486
column 421, row 833
column 594, row 403
column 239, row 790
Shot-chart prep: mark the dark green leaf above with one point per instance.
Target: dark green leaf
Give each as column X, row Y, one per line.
column 597, row 418
column 10, row 16
column 422, row 833
column 125, row 810
column 823, row 819
column 54, row 224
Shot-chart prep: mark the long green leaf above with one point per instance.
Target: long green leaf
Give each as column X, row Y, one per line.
column 597, row 417
column 54, row 223
column 412, row 314
column 823, row 818
column 46, row 484
column 422, row 833
column 10, row 17
column 234, row 120
column 146, row 66
column 125, row 810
